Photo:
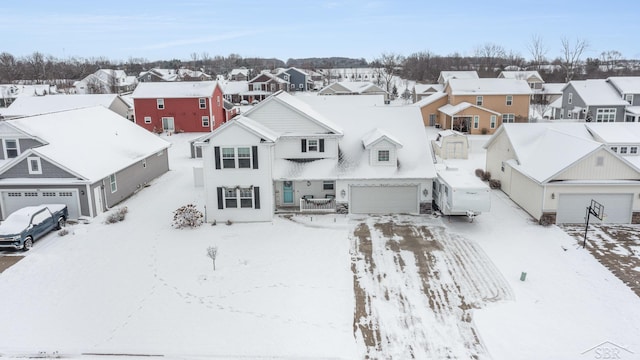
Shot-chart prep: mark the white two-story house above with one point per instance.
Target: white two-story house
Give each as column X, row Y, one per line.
column 310, row 153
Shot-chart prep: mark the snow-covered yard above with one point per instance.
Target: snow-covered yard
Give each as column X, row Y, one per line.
column 291, row 288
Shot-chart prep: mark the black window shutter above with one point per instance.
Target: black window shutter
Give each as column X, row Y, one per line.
column 256, row 197
column 304, row 145
column 254, row 155
column 220, row 199
column 321, row 142
column 216, row 151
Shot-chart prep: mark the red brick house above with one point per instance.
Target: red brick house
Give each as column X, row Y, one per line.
column 180, row 106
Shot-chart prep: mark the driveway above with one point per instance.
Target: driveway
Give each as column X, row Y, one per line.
column 8, row 261
column 416, row 287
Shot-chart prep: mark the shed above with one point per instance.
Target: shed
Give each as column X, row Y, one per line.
column 451, row 144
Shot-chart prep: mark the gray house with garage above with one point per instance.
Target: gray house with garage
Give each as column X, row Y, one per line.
column 89, row 159
column 554, row 170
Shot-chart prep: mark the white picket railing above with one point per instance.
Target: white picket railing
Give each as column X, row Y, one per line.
column 317, row 205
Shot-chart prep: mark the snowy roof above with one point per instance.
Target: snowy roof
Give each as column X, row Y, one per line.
column 376, row 135
column 445, row 133
column 16, row 91
column 352, row 87
column 451, row 110
column 237, row 71
column 626, row 84
column 271, row 77
column 179, row 89
column 234, row 87
column 448, row 75
column 421, row 88
column 430, row 99
column 358, row 119
column 635, row 110
column 110, row 142
column 597, row 92
column 557, row 103
column 522, row 75
column 615, row 133
column 35, row 105
column 488, row 86
column 542, row 150
column 552, row 88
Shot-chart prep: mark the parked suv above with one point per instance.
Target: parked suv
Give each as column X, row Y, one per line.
column 20, row 229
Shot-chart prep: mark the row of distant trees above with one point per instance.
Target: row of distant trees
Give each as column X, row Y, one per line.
column 424, row 66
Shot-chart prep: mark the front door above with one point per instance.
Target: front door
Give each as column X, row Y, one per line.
column 167, row 124
column 287, row 192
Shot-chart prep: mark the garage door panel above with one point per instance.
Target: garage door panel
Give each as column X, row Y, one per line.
column 572, row 208
column 13, row 200
column 384, row 199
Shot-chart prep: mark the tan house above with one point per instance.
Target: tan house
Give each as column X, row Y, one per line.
column 532, row 77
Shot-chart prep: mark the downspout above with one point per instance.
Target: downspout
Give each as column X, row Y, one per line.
column 90, row 198
column 212, row 118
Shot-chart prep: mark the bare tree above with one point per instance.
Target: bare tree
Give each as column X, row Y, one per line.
column 571, row 53
column 489, row 55
column 212, row 253
column 385, row 68
column 538, row 51
column 8, row 67
column 610, row 58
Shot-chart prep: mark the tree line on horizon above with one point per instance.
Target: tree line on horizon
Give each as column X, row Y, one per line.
column 424, row 66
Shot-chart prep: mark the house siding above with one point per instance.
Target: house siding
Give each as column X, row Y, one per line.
column 49, row 170
column 296, row 78
column 433, row 109
column 526, row 193
column 24, row 144
column 498, row 103
column 612, row 168
column 135, row 177
column 290, row 148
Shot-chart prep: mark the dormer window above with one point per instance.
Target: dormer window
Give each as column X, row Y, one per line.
column 312, row 145
column 383, row 155
column 11, row 149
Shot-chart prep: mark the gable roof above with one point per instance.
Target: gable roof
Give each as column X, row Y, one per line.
column 351, row 87
column 110, row 141
column 625, row 84
column 596, row 92
column 445, row 76
column 246, row 123
column 522, row 75
column 178, row 89
column 36, row 105
column 430, row 99
column 451, row 110
column 489, row 86
column 376, row 135
column 422, row 88
column 615, row 133
column 269, row 77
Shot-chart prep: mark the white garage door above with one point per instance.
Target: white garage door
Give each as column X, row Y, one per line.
column 13, row 200
column 384, row 200
column 572, row 208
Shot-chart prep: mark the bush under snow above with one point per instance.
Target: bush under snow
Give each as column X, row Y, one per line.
column 187, row 216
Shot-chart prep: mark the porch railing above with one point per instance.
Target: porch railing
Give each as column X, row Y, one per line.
column 317, row 205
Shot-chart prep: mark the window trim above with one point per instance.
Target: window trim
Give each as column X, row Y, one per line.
column 205, row 121
column 113, row 183
column 493, row 121
column 38, row 163
column 508, row 118
column 6, row 148
column 476, row 121
column 202, row 103
column 381, row 158
column 160, row 104
column 328, row 185
column 147, row 119
column 509, row 100
column 608, row 113
column 479, row 100
column 570, row 99
column 629, row 98
column 238, row 158
column 309, row 146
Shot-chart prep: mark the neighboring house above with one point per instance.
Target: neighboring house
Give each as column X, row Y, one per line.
column 196, row 106
column 592, row 100
column 235, row 91
column 420, row 91
column 265, row 84
column 532, row 77
column 479, row 106
column 628, row 87
column 353, row 88
column 171, row 75
column 193, row 75
column 37, row 105
column 554, row 170
column 318, row 154
column 298, row 79
column 89, row 159
column 239, row 74
column 445, row 76
column 10, row 92
column 429, row 108
column 549, row 93
column 451, row 144
column 106, row 81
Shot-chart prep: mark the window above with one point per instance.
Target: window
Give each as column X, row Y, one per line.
column 301, row 86
column 230, row 198
column 508, row 118
column 492, row 124
column 147, row 119
column 629, row 98
column 293, row 86
column 246, row 198
column 205, row 121
column 273, row 87
column 509, row 100
column 633, row 150
column 35, row 167
column 606, row 115
column 432, row 119
column 570, row 99
column 600, row 161
column 630, row 118
column 203, row 103
column 479, row 100
column 218, row 100
column 312, row 145
column 228, row 158
column 244, row 157
column 160, row 103
column 476, row 121
column 623, row 150
column 569, row 114
column 614, row 149
column 383, row 155
column 113, row 183
column 328, row 185
column 11, row 148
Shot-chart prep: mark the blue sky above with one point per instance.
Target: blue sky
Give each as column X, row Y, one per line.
column 285, row 29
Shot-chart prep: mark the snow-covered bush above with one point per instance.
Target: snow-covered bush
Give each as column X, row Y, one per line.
column 486, row 176
column 117, row 215
column 479, row 173
column 494, row 184
column 187, row 216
